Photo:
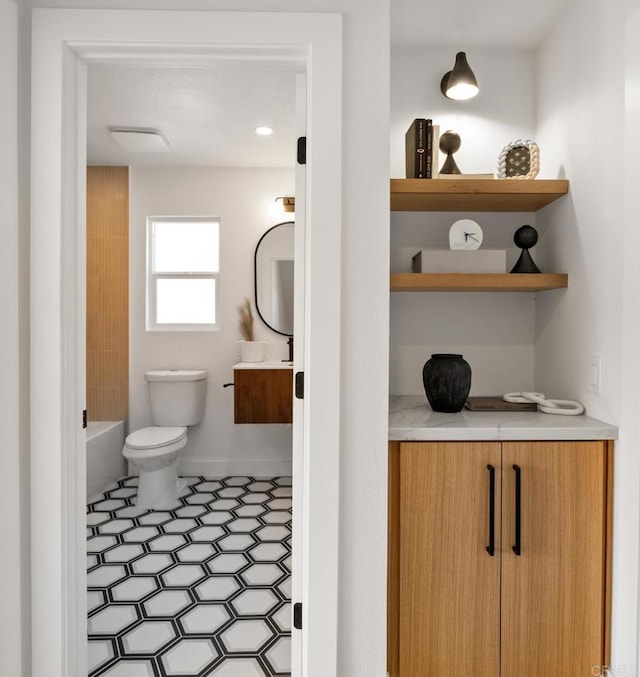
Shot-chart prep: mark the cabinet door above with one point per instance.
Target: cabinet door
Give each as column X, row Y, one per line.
column 263, row 395
column 553, row 593
column 449, row 611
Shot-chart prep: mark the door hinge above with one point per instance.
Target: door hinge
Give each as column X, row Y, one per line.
column 84, row 418
column 300, row 385
column 297, row 615
column 302, row 150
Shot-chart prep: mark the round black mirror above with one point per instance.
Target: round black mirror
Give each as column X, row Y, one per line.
column 273, row 275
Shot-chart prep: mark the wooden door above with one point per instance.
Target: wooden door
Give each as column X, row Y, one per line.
column 554, row 592
column 449, row 610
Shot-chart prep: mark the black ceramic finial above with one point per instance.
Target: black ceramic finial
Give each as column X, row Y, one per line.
column 525, row 238
column 450, row 144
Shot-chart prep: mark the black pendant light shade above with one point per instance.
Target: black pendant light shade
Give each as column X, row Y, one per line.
column 459, row 83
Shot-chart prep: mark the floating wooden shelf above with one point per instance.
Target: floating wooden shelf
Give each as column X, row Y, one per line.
column 478, row 195
column 477, row 281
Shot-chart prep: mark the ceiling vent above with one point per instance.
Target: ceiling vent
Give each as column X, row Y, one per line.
column 135, row 140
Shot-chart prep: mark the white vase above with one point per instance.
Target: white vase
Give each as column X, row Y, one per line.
column 252, row 351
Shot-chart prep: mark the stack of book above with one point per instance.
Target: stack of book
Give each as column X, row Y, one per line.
column 422, row 148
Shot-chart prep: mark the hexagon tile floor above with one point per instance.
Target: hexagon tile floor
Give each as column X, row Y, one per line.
column 200, row 589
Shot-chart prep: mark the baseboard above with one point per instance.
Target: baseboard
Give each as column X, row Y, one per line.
column 250, row 468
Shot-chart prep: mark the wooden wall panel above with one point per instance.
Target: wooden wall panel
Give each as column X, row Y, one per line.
column 107, row 293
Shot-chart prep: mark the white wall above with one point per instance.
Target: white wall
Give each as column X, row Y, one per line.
column 582, row 135
column 12, row 581
column 240, row 198
column 494, row 332
column 365, row 344
column 583, row 232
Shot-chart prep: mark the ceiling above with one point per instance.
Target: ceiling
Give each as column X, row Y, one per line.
column 208, row 113
column 463, row 24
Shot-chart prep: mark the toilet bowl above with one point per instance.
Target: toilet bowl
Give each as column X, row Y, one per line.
column 153, row 452
column 177, row 399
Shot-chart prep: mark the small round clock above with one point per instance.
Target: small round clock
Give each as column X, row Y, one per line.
column 465, row 234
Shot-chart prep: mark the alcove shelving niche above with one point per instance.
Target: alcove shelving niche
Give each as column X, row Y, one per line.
column 493, row 195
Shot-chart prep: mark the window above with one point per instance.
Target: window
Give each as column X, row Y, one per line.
column 182, row 273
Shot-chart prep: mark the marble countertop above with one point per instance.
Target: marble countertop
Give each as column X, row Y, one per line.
column 263, row 365
column 411, row 418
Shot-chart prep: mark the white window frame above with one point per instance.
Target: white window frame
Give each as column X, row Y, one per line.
column 152, row 278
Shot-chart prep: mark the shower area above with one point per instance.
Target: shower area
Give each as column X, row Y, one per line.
column 107, row 324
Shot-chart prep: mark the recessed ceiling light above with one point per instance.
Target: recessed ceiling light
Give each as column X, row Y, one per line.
column 264, row 131
column 135, row 140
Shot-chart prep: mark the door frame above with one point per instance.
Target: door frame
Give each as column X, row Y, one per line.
column 64, row 41
column 625, row 619
column 299, row 286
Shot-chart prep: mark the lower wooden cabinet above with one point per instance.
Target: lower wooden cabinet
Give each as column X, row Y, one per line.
column 498, row 558
column 263, row 395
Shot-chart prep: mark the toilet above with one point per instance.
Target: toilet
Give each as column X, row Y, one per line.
column 177, row 398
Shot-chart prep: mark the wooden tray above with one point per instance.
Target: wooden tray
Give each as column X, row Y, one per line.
column 497, row 404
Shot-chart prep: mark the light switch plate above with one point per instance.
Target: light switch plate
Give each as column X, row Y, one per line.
column 594, row 374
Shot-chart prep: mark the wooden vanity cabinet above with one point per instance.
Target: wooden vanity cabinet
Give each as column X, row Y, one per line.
column 263, row 395
column 462, row 601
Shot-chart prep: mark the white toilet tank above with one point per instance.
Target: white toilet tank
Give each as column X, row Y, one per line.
column 177, row 396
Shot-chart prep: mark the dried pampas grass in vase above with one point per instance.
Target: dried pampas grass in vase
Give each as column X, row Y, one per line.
column 250, row 350
column 246, row 320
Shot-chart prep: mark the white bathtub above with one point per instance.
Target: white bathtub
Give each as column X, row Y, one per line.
column 105, row 462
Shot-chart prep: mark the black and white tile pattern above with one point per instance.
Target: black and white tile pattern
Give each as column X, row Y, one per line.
column 201, row 589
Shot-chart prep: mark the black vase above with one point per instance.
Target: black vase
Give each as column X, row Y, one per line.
column 447, row 381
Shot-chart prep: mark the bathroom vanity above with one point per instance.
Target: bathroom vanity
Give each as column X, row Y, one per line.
column 499, row 542
column 263, row 392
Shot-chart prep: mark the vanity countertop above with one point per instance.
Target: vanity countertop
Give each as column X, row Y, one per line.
column 263, row 365
column 411, row 418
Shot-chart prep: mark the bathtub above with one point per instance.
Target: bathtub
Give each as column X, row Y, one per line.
column 105, row 462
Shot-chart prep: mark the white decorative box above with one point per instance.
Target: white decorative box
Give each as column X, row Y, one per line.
column 459, row 261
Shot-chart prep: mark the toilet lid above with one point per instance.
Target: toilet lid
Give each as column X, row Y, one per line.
column 155, row 436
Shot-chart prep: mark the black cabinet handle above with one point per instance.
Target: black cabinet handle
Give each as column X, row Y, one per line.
column 517, row 548
column 492, row 510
